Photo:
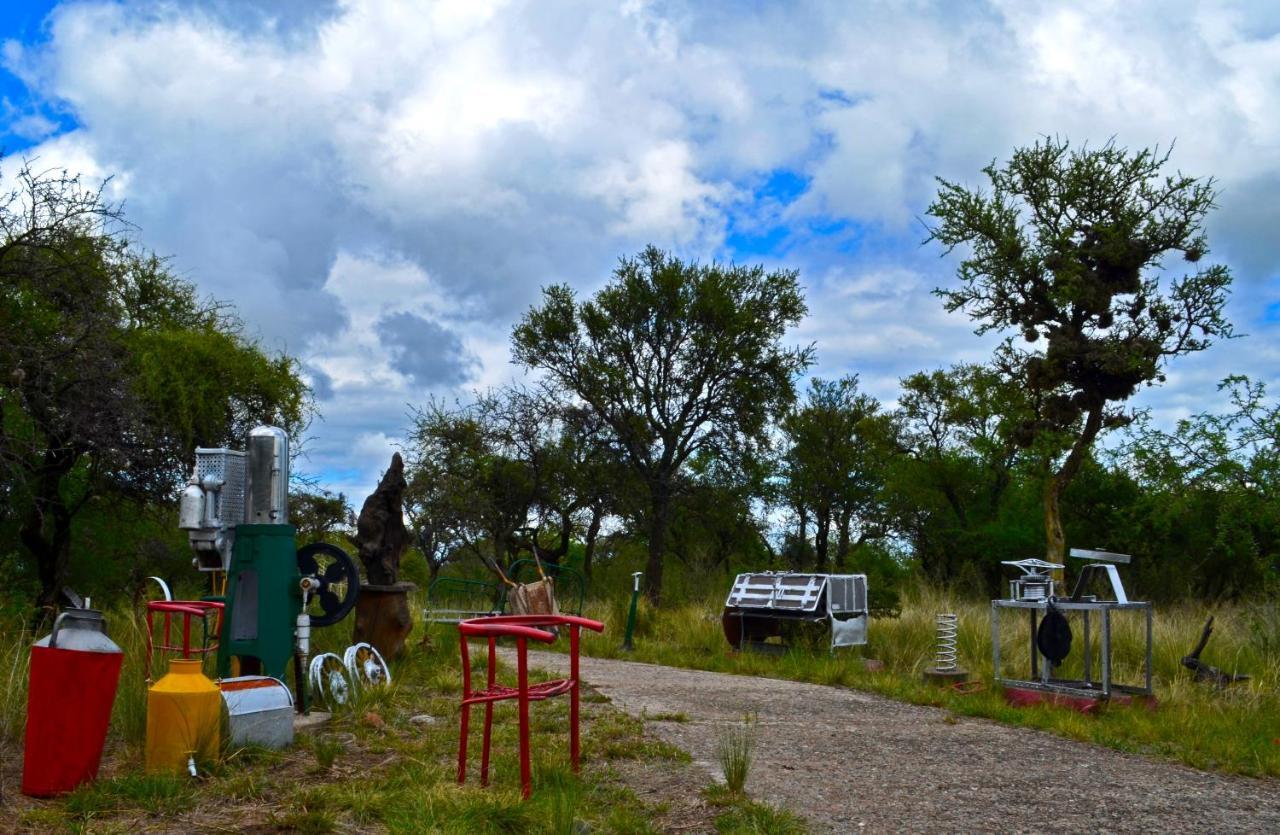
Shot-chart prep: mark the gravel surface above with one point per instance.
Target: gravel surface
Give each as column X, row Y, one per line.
column 850, row 761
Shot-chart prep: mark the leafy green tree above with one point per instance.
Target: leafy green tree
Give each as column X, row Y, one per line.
column 111, row 369
column 318, row 514
column 1067, row 251
column 674, row 359
column 1213, row 484
column 834, row 465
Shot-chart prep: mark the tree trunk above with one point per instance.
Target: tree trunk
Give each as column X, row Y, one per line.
column 589, row 546
column 802, row 540
column 659, row 508
column 1055, row 543
column 842, row 544
column 821, row 536
column 46, row 531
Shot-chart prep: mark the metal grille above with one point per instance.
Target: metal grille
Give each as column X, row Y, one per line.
column 848, row 593
column 227, row 465
column 792, row 592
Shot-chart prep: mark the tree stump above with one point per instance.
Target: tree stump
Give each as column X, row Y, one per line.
column 383, row 618
column 382, row 608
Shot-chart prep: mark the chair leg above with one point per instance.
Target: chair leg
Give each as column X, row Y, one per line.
column 462, row 745
column 526, row 776
column 484, row 750
column 573, row 697
column 573, row 726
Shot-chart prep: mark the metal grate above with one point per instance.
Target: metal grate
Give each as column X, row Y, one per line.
column 790, row 592
column 227, row 465
column 848, row 593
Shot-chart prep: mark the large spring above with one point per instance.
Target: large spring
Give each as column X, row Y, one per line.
column 945, row 658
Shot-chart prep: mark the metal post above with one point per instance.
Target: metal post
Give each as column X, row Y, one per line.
column 995, row 640
column 1106, row 652
column 1149, row 619
column 631, row 614
column 1088, row 665
column 1035, row 651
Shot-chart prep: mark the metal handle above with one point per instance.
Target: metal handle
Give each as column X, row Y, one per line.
column 57, row 624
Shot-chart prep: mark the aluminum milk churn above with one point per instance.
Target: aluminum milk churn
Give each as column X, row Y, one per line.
column 74, row 673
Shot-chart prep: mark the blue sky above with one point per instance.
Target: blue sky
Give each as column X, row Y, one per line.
column 381, row 188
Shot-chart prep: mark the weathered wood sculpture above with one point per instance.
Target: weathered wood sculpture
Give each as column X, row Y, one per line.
column 1205, row 672
column 382, row 610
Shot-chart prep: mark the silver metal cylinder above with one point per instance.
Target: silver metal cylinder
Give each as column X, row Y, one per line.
column 268, row 476
column 191, row 508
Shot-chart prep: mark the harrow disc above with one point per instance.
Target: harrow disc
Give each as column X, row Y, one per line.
column 366, row 665
column 328, row 678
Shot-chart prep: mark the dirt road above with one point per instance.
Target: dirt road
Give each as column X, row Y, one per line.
column 849, row 761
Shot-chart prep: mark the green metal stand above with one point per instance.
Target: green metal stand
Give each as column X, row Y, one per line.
column 263, row 602
column 631, row 615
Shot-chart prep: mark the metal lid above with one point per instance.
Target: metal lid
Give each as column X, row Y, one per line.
column 83, row 630
column 254, row 694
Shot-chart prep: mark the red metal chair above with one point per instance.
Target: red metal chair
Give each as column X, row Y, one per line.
column 186, row 609
column 523, row 628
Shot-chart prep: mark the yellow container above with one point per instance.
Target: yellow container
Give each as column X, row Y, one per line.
column 184, row 717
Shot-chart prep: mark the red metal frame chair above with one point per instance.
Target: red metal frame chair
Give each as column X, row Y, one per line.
column 523, row 628
column 187, row 609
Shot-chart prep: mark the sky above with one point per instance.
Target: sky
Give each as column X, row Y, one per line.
column 383, row 188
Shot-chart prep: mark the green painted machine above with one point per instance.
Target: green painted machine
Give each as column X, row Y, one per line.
column 235, row 511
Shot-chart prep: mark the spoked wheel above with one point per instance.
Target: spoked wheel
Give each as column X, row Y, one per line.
column 328, row 677
column 338, row 578
column 366, row 665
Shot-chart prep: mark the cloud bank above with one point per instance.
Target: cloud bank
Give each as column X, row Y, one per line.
column 383, row 187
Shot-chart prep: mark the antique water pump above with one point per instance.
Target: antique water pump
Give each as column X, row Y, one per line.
column 235, row 511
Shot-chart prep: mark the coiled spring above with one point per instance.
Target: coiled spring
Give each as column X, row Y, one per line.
column 945, row 658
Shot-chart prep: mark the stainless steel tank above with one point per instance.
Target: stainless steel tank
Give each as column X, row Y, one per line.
column 268, row 476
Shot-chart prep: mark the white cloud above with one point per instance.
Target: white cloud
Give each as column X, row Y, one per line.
column 328, row 166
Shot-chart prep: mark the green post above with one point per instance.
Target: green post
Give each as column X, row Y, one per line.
column 631, row 615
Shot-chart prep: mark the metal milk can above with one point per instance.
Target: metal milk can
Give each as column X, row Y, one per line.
column 73, row 678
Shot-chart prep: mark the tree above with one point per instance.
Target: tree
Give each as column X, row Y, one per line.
column 1067, row 251
column 319, row 514
column 111, row 369
column 955, row 430
column 675, row 359
column 834, row 465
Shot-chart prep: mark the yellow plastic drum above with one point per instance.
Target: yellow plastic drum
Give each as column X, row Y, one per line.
column 184, row 715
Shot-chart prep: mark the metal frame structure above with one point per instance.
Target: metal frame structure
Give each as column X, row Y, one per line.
column 1089, row 607
column 757, row 598
column 1088, row 687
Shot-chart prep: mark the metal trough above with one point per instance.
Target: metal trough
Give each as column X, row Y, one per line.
column 259, row 711
column 759, row 604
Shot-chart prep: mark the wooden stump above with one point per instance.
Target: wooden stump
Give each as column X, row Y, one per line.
column 383, row 618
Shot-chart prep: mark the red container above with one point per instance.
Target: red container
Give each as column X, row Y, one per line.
column 74, row 673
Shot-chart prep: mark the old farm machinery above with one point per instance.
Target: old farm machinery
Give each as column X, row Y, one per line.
column 235, row 511
column 1087, row 676
column 768, row 604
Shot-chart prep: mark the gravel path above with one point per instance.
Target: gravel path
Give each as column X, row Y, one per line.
column 853, row 762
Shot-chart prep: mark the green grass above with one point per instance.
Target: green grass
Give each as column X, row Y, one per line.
column 734, row 753
column 1232, row 730
column 369, row 767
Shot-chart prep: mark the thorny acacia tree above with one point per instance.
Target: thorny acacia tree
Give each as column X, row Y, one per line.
column 111, row 369
column 674, row 359
column 1067, row 250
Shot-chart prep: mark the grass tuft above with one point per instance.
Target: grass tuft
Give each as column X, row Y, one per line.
column 734, row 752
